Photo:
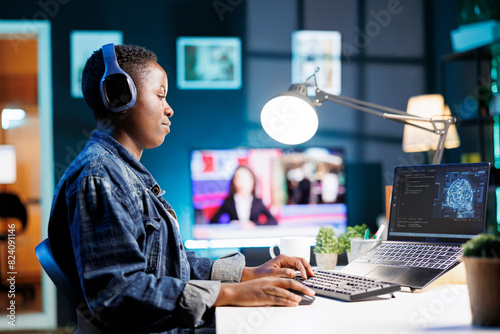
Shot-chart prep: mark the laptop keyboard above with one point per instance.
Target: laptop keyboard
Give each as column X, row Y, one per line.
column 346, row 286
column 413, row 255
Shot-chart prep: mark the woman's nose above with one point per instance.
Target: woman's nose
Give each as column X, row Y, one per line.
column 169, row 111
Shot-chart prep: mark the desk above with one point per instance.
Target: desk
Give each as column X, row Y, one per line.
column 438, row 308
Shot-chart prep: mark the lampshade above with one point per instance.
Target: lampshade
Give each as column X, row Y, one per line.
column 290, row 117
column 418, row 140
column 7, row 164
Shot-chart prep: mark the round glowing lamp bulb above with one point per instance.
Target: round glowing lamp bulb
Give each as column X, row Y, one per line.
column 289, row 118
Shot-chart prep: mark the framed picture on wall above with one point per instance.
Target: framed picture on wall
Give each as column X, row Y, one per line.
column 209, row 63
column 82, row 44
column 311, row 49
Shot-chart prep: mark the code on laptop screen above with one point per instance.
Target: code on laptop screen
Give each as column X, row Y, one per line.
column 438, row 202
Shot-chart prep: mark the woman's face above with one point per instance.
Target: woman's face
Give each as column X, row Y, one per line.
column 243, row 182
column 148, row 122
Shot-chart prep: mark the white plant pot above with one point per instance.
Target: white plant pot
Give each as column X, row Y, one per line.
column 326, row 261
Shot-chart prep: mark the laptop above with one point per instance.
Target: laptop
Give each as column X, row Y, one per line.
column 434, row 210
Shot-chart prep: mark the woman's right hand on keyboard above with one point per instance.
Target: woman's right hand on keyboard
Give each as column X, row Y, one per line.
column 262, row 292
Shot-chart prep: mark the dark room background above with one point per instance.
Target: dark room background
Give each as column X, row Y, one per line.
column 383, row 61
column 388, row 65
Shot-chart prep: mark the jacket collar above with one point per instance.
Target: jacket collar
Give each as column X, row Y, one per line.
column 114, row 147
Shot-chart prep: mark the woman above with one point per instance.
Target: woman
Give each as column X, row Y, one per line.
column 115, row 235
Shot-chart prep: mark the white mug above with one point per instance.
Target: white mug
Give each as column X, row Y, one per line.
column 293, row 246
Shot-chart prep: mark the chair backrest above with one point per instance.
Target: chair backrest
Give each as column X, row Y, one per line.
column 86, row 324
column 61, row 281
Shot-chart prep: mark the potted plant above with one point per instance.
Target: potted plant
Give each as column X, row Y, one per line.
column 482, row 265
column 327, row 248
column 355, row 232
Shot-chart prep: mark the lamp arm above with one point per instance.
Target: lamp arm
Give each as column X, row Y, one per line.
column 438, row 154
column 377, row 109
column 406, row 122
column 435, row 129
column 394, row 115
column 384, row 112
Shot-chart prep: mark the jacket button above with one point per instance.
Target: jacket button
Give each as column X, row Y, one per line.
column 156, row 189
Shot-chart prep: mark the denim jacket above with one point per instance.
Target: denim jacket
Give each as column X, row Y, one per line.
column 112, row 230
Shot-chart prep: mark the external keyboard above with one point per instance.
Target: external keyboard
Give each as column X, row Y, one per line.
column 346, row 286
column 413, row 255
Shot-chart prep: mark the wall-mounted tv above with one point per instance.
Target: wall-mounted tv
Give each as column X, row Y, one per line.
column 208, row 62
column 293, row 192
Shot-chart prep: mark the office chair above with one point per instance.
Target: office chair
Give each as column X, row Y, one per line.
column 12, row 207
column 72, row 291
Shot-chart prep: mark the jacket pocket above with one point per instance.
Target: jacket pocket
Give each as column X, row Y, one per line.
column 152, row 249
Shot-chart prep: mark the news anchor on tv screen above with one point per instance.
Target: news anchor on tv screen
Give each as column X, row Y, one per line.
column 242, row 204
column 243, row 194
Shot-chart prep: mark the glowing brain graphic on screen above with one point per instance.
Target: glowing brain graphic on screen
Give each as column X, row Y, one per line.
column 460, row 195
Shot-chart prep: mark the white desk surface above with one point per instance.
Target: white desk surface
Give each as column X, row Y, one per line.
column 438, row 308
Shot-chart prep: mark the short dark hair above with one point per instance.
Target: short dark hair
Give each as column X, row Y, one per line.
column 131, row 58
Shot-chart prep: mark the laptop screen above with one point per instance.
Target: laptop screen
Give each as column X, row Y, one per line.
column 439, row 203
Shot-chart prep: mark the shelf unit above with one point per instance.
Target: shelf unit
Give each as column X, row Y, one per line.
column 483, row 122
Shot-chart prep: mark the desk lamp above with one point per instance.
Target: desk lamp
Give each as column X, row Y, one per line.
column 416, row 140
column 290, row 117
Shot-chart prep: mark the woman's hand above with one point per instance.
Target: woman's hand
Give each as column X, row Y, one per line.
column 262, row 292
column 280, row 266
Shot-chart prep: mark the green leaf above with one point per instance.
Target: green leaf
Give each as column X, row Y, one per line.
column 357, row 231
column 326, row 241
column 482, row 245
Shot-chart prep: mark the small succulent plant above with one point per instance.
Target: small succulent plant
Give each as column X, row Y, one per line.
column 482, row 245
column 327, row 241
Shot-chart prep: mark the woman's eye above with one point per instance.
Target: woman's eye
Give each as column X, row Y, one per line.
column 161, row 97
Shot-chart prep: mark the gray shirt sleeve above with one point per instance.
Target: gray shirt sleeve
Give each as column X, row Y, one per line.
column 228, row 268
column 199, row 296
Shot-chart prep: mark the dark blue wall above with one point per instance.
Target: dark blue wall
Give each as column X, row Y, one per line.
column 202, row 118
column 400, row 61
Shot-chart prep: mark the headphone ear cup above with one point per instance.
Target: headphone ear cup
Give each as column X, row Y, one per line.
column 118, row 91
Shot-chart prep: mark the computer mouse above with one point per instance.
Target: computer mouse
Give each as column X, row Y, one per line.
column 306, row 300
